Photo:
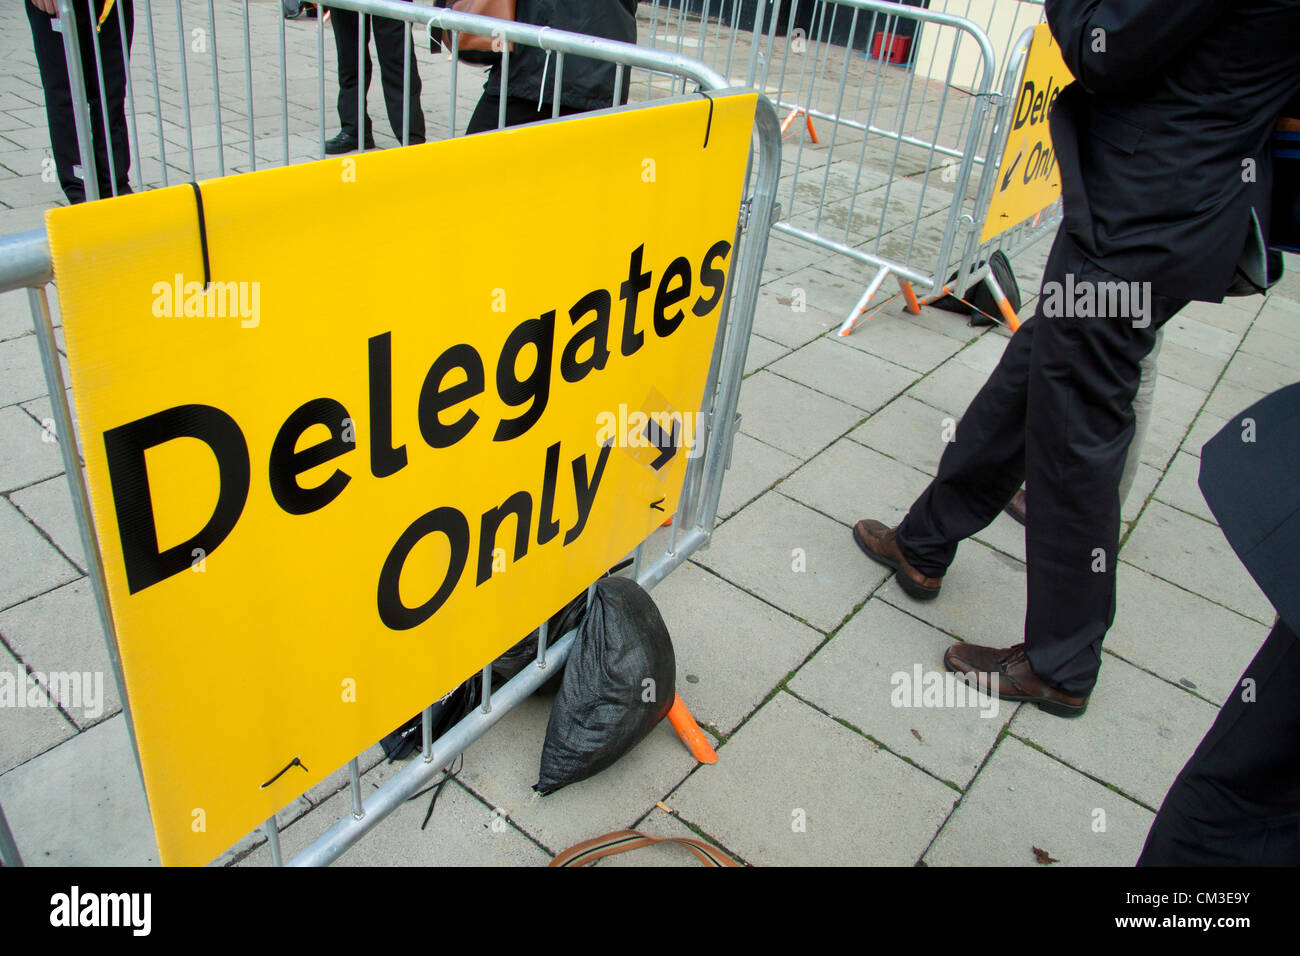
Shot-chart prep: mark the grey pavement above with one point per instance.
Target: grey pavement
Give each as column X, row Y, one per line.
column 791, row 646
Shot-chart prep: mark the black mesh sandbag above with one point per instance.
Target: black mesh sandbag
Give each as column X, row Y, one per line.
column 618, row 683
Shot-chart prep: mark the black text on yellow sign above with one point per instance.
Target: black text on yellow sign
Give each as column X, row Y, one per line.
column 318, row 517
column 1028, row 178
column 596, row 329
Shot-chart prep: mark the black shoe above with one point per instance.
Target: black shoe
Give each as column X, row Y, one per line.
column 345, row 143
column 305, row 11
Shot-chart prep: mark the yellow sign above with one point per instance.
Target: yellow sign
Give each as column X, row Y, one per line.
column 1029, row 179
column 426, row 397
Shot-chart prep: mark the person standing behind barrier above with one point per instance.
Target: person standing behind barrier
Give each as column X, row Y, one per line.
column 59, row 113
column 389, row 37
column 1166, row 177
column 587, row 84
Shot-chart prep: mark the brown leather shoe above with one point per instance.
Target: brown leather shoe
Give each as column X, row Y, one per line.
column 1016, row 506
column 880, row 544
column 1016, row 680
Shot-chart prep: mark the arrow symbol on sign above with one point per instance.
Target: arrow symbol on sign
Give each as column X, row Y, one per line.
column 1006, row 180
column 658, row 505
column 666, row 443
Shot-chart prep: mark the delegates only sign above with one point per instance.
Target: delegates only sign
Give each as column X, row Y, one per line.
column 421, row 399
column 1029, row 179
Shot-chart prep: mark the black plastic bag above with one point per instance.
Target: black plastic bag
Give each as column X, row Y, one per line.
column 525, row 652
column 985, row 310
column 620, row 680
column 447, row 713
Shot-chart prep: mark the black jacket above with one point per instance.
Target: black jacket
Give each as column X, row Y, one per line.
column 1163, row 138
column 587, row 84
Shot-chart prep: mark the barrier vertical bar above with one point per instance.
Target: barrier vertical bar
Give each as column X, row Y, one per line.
column 216, row 89
column 80, row 106
column 185, row 84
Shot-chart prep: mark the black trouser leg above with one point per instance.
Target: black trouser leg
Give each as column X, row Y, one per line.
column 345, row 27
column 518, row 112
column 1057, row 412
column 390, row 37
column 59, row 112
column 1237, row 801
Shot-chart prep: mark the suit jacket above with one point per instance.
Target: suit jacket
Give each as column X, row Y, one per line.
column 1250, row 476
column 587, row 84
column 1164, row 137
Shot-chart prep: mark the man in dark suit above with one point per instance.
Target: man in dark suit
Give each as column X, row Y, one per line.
column 1166, row 179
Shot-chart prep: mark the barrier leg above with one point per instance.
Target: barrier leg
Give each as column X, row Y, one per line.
column 909, row 296
column 690, row 732
column 807, row 118
column 1004, row 306
column 856, row 315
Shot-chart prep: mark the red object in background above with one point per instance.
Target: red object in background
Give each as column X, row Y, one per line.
column 898, row 47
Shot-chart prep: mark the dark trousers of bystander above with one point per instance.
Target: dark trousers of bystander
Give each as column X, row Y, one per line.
column 112, row 178
column 389, row 37
column 1237, row 801
column 1057, row 412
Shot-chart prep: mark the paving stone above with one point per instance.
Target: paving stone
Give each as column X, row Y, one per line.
column 81, row 803
column 794, row 558
column 1193, row 554
column 1024, row 799
column 24, row 457
column 985, row 352
column 1262, row 374
column 21, row 377
column 949, row 388
column 1280, row 315
column 762, row 352
column 1205, row 428
column 1179, row 487
column 1189, row 366
column 791, row 417
column 1230, row 398
column 903, row 342
column 29, row 565
column 755, row 467
column 790, row 765
column 1174, row 407
column 462, row 831
column 15, row 316
column 1136, row 735
column 48, row 505
column 868, row 675
column 1227, row 319
column 849, row 481
column 736, row 647
column 1272, row 345
column 983, row 599
column 60, row 631
column 502, row 767
column 779, row 321
column 1209, row 340
column 908, row 431
column 852, row 376
column 1180, row 636
column 30, row 723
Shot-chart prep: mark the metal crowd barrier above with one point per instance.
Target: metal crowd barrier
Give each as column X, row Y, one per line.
column 25, row 264
column 886, row 109
column 976, row 255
